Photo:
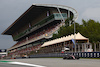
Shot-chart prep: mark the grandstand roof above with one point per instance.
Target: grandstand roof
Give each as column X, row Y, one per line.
column 78, row 36
column 33, row 12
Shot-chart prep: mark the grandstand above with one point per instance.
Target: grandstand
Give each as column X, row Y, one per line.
column 3, row 53
column 36, row 26
column 60, row 44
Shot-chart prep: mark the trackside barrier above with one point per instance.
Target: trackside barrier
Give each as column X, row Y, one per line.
column 80, row 54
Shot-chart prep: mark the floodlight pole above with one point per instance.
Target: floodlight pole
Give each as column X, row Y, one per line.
column 74, row 36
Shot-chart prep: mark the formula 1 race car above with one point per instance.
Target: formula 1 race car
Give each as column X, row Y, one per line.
column 24, row 56
column 68, row 56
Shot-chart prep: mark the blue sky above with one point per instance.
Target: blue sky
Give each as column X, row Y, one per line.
column 10, row 10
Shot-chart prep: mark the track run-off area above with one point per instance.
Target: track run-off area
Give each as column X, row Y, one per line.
column 49, row 62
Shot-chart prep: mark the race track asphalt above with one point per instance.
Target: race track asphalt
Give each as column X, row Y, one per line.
column 58, row 62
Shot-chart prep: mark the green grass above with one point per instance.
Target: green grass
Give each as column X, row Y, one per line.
column 90, row 58
column 49, row 57
column 4, row 61
column 62, row 57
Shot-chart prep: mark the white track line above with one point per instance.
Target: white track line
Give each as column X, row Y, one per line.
column 26, row 64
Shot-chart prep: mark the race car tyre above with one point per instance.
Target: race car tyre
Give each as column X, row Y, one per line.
column 64, row 57
column 77, row 57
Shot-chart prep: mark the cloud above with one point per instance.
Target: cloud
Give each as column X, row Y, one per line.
column 12, row 9
column 92, row 13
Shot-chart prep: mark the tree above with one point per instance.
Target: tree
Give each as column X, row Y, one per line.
column 89, row 29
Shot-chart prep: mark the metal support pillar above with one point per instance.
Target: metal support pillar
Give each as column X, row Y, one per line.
column 69, row 17
column 82, row 47
column 90, row 46
column 99, row 46
column 85, row 47
column 72, row 49
column 78, row 47
column 68, row 14
column 61, row 15
column 74, row 37
column 64, row 43
column 94, row 47
column 69, row 46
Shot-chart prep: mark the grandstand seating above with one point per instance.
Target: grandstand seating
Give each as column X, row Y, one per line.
column 41, row 33
column 26, row 50
column 45, row 32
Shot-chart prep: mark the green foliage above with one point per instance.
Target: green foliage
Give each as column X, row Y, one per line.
column 89, row 29
column 68, row 20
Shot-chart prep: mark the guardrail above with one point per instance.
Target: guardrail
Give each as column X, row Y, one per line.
column 80, row 54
